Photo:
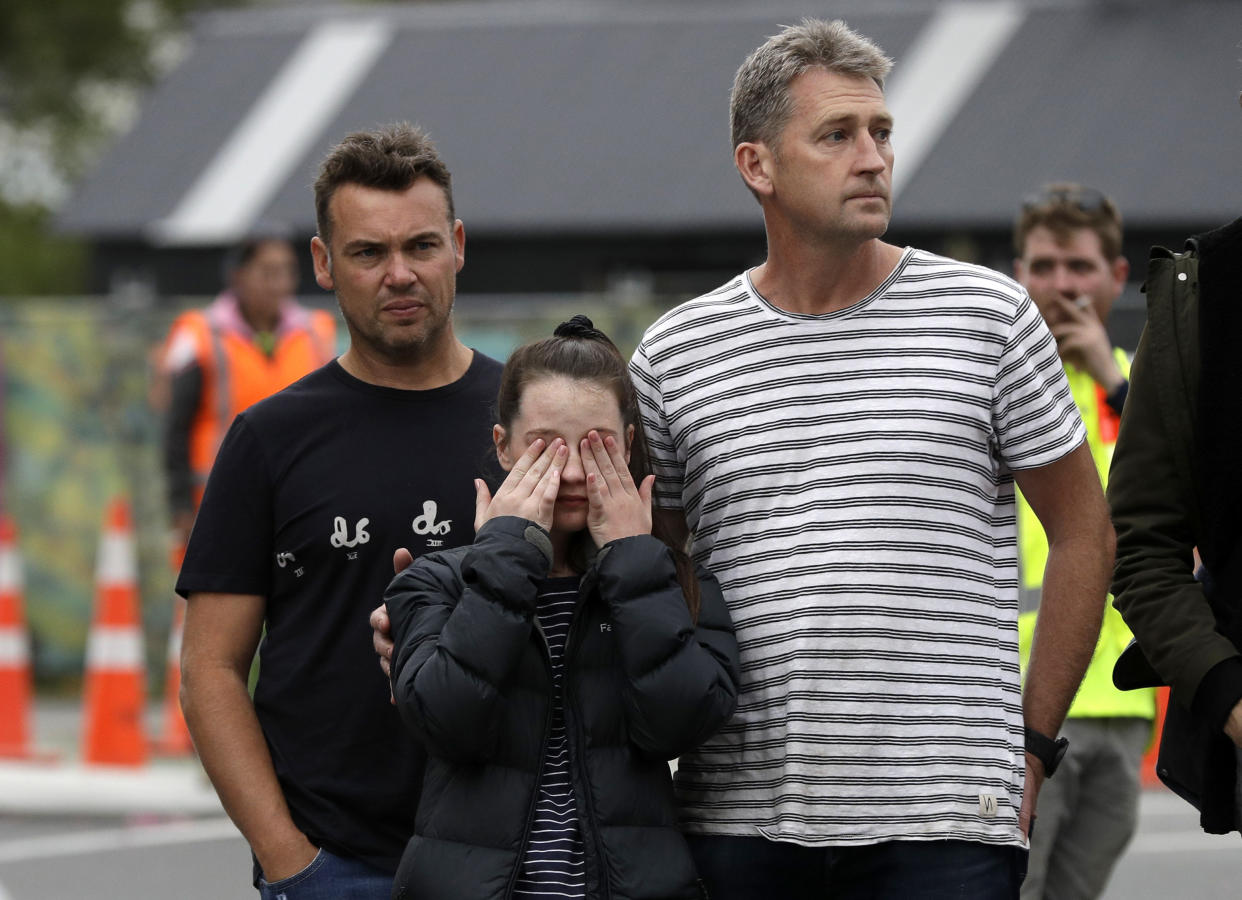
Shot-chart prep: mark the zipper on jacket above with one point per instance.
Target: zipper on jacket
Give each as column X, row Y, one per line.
column 547, row 733
column 586, row 812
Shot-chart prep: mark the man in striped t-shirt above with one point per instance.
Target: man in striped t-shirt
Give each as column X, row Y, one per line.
column 840, row 429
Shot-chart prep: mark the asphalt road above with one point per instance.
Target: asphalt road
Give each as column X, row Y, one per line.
column 1172, row 859
column 204, row 859
column 111, row 859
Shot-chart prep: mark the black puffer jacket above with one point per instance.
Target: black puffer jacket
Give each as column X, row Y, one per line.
column 471, row 677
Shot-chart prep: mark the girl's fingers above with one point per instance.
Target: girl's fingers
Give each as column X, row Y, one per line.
column 482, row 500
column 555, row 463
column 524, row 481
column 605, row 465
column 545, row 490
column 599, row 453
column 595, row 495
column 547, row 496
column 617, row 458
column 590, row 465
column 645, row 489
column 521, row 467
column 527, row 459
column 540, row 466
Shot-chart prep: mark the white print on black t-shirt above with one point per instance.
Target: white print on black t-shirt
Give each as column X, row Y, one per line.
column 340, row 533
column 283, row 559
column 427, row 524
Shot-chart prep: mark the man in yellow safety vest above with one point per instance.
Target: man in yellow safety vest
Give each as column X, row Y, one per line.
column 1068, row 245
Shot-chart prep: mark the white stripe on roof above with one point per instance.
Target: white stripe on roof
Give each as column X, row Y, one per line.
column 939, row 72
column 291, row 114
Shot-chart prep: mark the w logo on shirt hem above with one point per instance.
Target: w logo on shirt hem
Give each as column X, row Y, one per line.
column 987, row 806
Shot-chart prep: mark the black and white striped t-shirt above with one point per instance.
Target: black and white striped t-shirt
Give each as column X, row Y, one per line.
column 848, row 479
column 553, row 865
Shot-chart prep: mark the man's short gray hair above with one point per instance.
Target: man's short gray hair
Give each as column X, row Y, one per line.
column 760, row 105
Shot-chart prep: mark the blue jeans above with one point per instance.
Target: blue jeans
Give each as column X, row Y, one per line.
column 754, row 868
column 330, row 877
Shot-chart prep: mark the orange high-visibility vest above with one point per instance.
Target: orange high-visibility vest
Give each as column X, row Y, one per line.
column 237, row 373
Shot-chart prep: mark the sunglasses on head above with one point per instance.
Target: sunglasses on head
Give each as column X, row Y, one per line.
column 1086, row 199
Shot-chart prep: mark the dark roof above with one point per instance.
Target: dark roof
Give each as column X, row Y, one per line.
column 586, row 117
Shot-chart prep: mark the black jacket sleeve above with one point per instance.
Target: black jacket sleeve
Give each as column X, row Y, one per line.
column 459, row 632
column 681, row 676
column 1117, row 399
column 186, row 394
column 1151, row 496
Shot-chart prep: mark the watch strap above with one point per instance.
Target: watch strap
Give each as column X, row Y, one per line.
column 1048, row 751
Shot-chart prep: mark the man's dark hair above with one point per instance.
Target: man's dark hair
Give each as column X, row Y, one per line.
column 390, row 158
column 248, row 247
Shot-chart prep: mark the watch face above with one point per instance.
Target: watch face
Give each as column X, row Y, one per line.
column 1058, row 754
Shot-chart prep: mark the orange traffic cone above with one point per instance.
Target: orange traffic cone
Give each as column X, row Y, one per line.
column 175, row 741
column 14, row 650
column 115, row 676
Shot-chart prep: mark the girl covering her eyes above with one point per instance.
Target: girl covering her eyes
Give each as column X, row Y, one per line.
column 552, row 668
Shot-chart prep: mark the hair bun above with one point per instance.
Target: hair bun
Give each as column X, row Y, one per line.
column 579, row 327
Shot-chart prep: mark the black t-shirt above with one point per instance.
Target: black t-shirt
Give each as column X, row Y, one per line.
column 312, row 491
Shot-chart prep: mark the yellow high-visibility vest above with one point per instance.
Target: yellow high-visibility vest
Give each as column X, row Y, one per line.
column 1096, row 696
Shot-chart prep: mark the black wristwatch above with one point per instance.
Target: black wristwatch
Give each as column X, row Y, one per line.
column 1046, row 750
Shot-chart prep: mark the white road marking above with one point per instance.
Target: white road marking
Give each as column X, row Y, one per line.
column 105, row 840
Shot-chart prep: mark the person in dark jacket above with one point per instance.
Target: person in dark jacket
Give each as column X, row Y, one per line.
column 1174, row 487
column 552, row 668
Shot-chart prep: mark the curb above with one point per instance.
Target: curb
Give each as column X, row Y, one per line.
column 38, row 789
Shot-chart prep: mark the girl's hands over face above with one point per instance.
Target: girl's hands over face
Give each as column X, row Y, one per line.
column 618, row 508
column 529, row 490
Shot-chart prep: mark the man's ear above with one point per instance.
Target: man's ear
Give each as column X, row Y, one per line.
column 754, row 163
column 501, row 440
column 1120, row 270
column 323, row 263
column 459, row 243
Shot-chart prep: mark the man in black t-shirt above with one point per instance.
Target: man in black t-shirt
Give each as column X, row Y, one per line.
column 312, row 492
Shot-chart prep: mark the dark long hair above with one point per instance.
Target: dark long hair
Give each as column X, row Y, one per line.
column 578, row 350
